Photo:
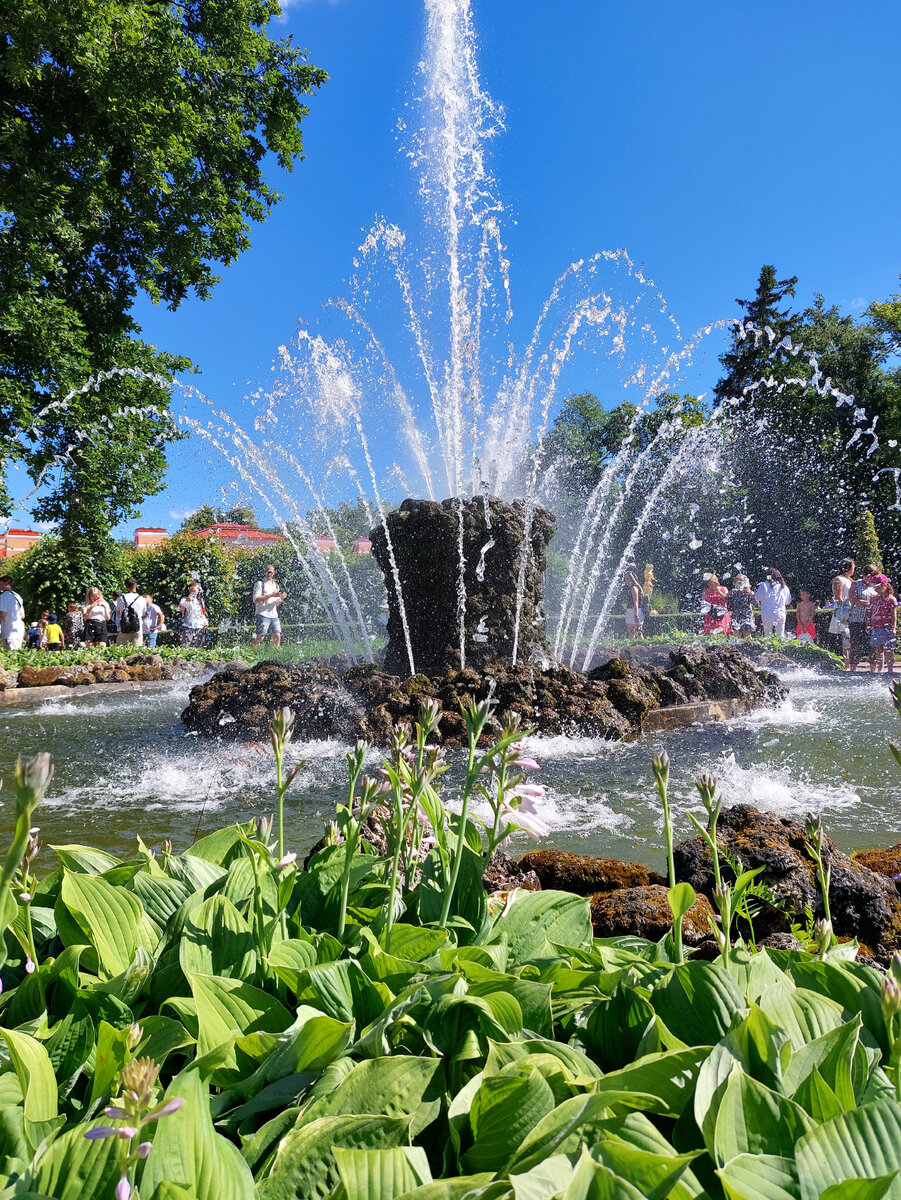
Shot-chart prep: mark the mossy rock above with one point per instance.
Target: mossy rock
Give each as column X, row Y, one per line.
column 883, row 862
column 645, row 912
column 584, row 875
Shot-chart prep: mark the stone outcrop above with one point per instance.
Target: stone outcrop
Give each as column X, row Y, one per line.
column 585, row 876
column 645, row 912
column 864, row 904
column 368, row 702
column 883, row 862
column 135, row 668
column 420, row 547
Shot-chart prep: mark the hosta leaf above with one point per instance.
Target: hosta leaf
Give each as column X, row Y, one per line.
column 544, row 1181
column 669, row 1077
column 111, row 1056
column 504, row 1110
column 73, row 1168
column 381, row 1174
column 342, row 990
column 462, row 1187
column 196, row 873
column 593, row 1181
column 862, row 1144
column 216, row 940
column 85, row 860
column 817, row 1098
column 31, row 1063
column 760, row 1177
column 561, row 1131
column 839, row 1059
column 415, row 943
column 108, row 916
column 537, row 921
column 188, row 1151
column 698, row 1002
column 161, row 897
column 803, row 1014
column 304, row 1166
column 653, row 1174
column 228, row 1008
column 290, row 958
column 860, row 1189
column 398, row 1086
column 754, row 1120
column 309, row 1044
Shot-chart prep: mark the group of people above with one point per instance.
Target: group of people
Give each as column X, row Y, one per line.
column 128, row 618
column 863, row 622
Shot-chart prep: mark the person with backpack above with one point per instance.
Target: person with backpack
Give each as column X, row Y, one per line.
column 267, row 596
column 12, row 615
column 130, row 608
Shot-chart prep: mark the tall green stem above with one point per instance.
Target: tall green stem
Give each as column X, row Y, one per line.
column 458, row 853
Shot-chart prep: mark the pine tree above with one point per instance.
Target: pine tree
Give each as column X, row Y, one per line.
column 867, row 541
column 748, row 360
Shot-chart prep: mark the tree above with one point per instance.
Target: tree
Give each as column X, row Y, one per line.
column 749, row 360
column 867, row 541
column 208, row 514
column 132, row 146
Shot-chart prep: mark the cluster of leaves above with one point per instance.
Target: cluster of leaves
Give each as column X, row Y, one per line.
column 221, row 1023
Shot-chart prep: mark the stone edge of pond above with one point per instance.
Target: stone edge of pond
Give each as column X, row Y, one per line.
column 36, row 695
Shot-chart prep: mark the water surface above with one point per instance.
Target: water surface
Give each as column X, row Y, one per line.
column 124, row 767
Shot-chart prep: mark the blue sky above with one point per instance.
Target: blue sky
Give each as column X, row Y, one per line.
column 706, row 138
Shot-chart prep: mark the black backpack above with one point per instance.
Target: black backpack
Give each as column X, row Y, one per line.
column 129, row 621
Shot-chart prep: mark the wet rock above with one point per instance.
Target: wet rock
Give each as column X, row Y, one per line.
column 368, row 702
column 8, row 679
column 645, row 912
column 504, row 873
column 77, row 676
column 585, row 876
column 501, row 591
column 780, row 941
column 864, row 904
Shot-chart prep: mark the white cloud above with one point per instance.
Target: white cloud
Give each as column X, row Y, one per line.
column 178, row 514
column 46, row 526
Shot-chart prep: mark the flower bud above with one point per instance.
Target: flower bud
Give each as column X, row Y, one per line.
column 891, row 996
column 822, row 935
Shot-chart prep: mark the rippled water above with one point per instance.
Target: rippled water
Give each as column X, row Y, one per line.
column 125, row 767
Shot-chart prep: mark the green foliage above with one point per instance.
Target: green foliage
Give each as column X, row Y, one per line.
column 207, row 514
column 137, row 135
column 49, row 574
column 867, row 541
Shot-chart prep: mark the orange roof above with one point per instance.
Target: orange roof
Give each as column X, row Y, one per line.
column 23, row 532
column 229, row 531
column 149, row 529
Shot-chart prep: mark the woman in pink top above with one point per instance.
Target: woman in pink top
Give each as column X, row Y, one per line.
column 883, row 620
column 713, row 606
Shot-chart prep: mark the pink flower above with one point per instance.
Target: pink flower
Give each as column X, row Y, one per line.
column 169, row 1107
column 526, row 818
column 118, row 1113
column 144, row 1149
column 101, row 1131
column 530, row 791
column 123, row 1189
column 286, row 861
column 29, row 967
column 527, row 764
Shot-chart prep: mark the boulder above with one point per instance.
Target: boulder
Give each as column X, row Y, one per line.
column 39, row 676
column 883, row 862
column 8, row 679
column 645, row 912
column 864, row 904
column 585, row 876
column 504, row 873
column 77, row 675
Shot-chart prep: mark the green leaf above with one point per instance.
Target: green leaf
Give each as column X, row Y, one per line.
column 653, row 1174
column 188, row 1151
column 229, row 1008
column 309, row 1044
column 111, row 1056
column 381, row 1174
column 343, row 990
column 760, row 1177
column 85, row 860
column 305, row 1167
column 290, row 959
column 593, row 1181
column 31, row 1063
column 680, row 899
column 160, row 896
column 73, row 1168
column 860, row 1189
column 108, row 916
column 398, row 1086
column 216, row 940
column 698, row 1002
column 752, row 1119
column 561, row 1131
column 669, row 1077
column 504, row 1110
column 539, row 921
column 864, row 1143
column 803, row 1014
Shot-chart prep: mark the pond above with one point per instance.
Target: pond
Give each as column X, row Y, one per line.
column 124, row 767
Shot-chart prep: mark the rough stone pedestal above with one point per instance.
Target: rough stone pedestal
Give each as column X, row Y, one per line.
column 425, row 538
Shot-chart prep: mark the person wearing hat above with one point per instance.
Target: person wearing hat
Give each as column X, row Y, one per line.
column 54, row 638
column 883, row 625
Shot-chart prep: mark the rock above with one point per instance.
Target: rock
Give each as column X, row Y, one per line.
column 864, row 904
column 504, row 873
column 780, row 941
column 39, row 676
column 76, row 676
column 883, row 862
column 425, row 547
column 8, row 679
column 583, row 875
column 645, row 912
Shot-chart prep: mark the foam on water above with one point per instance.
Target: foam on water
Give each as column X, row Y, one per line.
column 787, row 713
column 549, row 749
column 775, row 788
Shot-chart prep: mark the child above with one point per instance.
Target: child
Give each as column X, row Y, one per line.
column 740, row 600
column 883, row 615
column 805, row 613
column 54, row 638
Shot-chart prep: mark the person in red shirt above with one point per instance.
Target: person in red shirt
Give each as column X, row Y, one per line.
column 883, row 617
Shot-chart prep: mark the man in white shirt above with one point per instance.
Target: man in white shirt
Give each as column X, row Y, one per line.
column 12, row 615
column 152, row 623
column 130, row 608
column 267, row 596
column 774, row 598
column 194, row 623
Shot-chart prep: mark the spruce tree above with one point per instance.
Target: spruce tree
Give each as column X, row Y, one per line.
column 748, row 359
column 867, row 541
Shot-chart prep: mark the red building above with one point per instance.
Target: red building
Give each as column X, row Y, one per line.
column 146, row 535
column 17, row 541
column 239, row 535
